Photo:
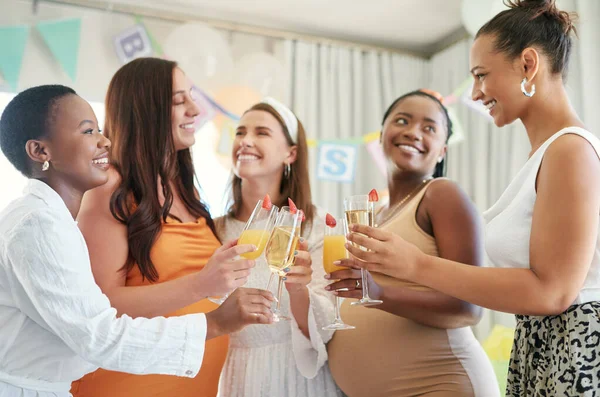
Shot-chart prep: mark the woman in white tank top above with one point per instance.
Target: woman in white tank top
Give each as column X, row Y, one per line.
column 542, row 234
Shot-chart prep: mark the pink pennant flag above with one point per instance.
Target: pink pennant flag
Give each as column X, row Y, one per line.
column 376, row 151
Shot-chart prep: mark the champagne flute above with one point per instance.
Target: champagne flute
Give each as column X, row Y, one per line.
column 359, row 210
column 333, row 250
column 256, row 231
column 280, row 250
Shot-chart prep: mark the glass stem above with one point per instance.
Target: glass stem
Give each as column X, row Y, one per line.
column 279, row 287
column 365, row 283
column 270, row 281
column 337, row 310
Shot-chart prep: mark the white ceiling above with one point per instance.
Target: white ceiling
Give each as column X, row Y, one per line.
column 419, row 26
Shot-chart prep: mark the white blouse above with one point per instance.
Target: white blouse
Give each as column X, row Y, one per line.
column 508, row 222
column 278, row 360
column 55, row 323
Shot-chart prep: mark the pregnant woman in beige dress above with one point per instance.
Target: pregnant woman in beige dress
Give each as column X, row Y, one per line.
column 418, row 342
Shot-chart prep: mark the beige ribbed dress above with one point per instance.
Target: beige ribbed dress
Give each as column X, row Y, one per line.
column 388, row 355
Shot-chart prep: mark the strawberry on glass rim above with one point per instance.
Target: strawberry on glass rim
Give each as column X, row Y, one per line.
column 266, row 203
column 302, row 216
column 292, row 205
column 330, row 220
column 373, row 196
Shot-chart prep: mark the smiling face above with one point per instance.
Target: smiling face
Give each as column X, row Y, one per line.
column 261, row 148
column 497, row 82
column 184, row 110
column 414, row 135
column 75, row 147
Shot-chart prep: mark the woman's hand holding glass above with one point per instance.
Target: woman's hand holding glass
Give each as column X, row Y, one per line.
column 360, row 210
column 256, row 233
column 298, row 277
column 349, row 284
column 385, row 253
column 245, row 306
column 223, row 273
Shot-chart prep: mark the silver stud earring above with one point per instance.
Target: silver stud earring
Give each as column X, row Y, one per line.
column 440, row 160
column 528, row 94
column 46, row 165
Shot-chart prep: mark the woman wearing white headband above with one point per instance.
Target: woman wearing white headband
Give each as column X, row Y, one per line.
column 270, row 156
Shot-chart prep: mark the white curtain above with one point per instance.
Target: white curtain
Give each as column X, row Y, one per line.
column 586, row 61
column 342, row 93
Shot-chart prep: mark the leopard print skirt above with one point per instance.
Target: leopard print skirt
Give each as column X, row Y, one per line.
column 557, row 355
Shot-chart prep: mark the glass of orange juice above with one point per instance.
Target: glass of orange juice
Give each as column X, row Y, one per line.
column 334, row 250
column 258, row 228
column 257, row 231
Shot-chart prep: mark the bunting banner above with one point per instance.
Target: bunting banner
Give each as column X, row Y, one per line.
column 132, row 43
column 336, row 157
column 336, row 162
column 226, row 137
column 12, row 47
column 207, row 111
column 62, row 38
column 458, row 133
column 156, row 48
column 477, row 106
column 376, row 152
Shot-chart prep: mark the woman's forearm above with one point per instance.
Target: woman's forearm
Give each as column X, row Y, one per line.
column 430, row 308
column 517, row 291
column 156, row 299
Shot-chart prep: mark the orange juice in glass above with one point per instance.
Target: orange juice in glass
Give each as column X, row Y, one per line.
column 257, row 237
column 333, row 250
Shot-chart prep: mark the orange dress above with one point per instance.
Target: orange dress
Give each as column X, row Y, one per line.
column 181, row 249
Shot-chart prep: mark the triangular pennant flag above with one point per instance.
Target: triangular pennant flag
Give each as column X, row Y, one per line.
column 12, row 46
column 458, row 133
column 62, row 37
column 226, row 137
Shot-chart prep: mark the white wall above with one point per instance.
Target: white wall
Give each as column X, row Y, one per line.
column 97, row 59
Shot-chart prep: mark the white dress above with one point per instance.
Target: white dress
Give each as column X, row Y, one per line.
column 278, row 360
